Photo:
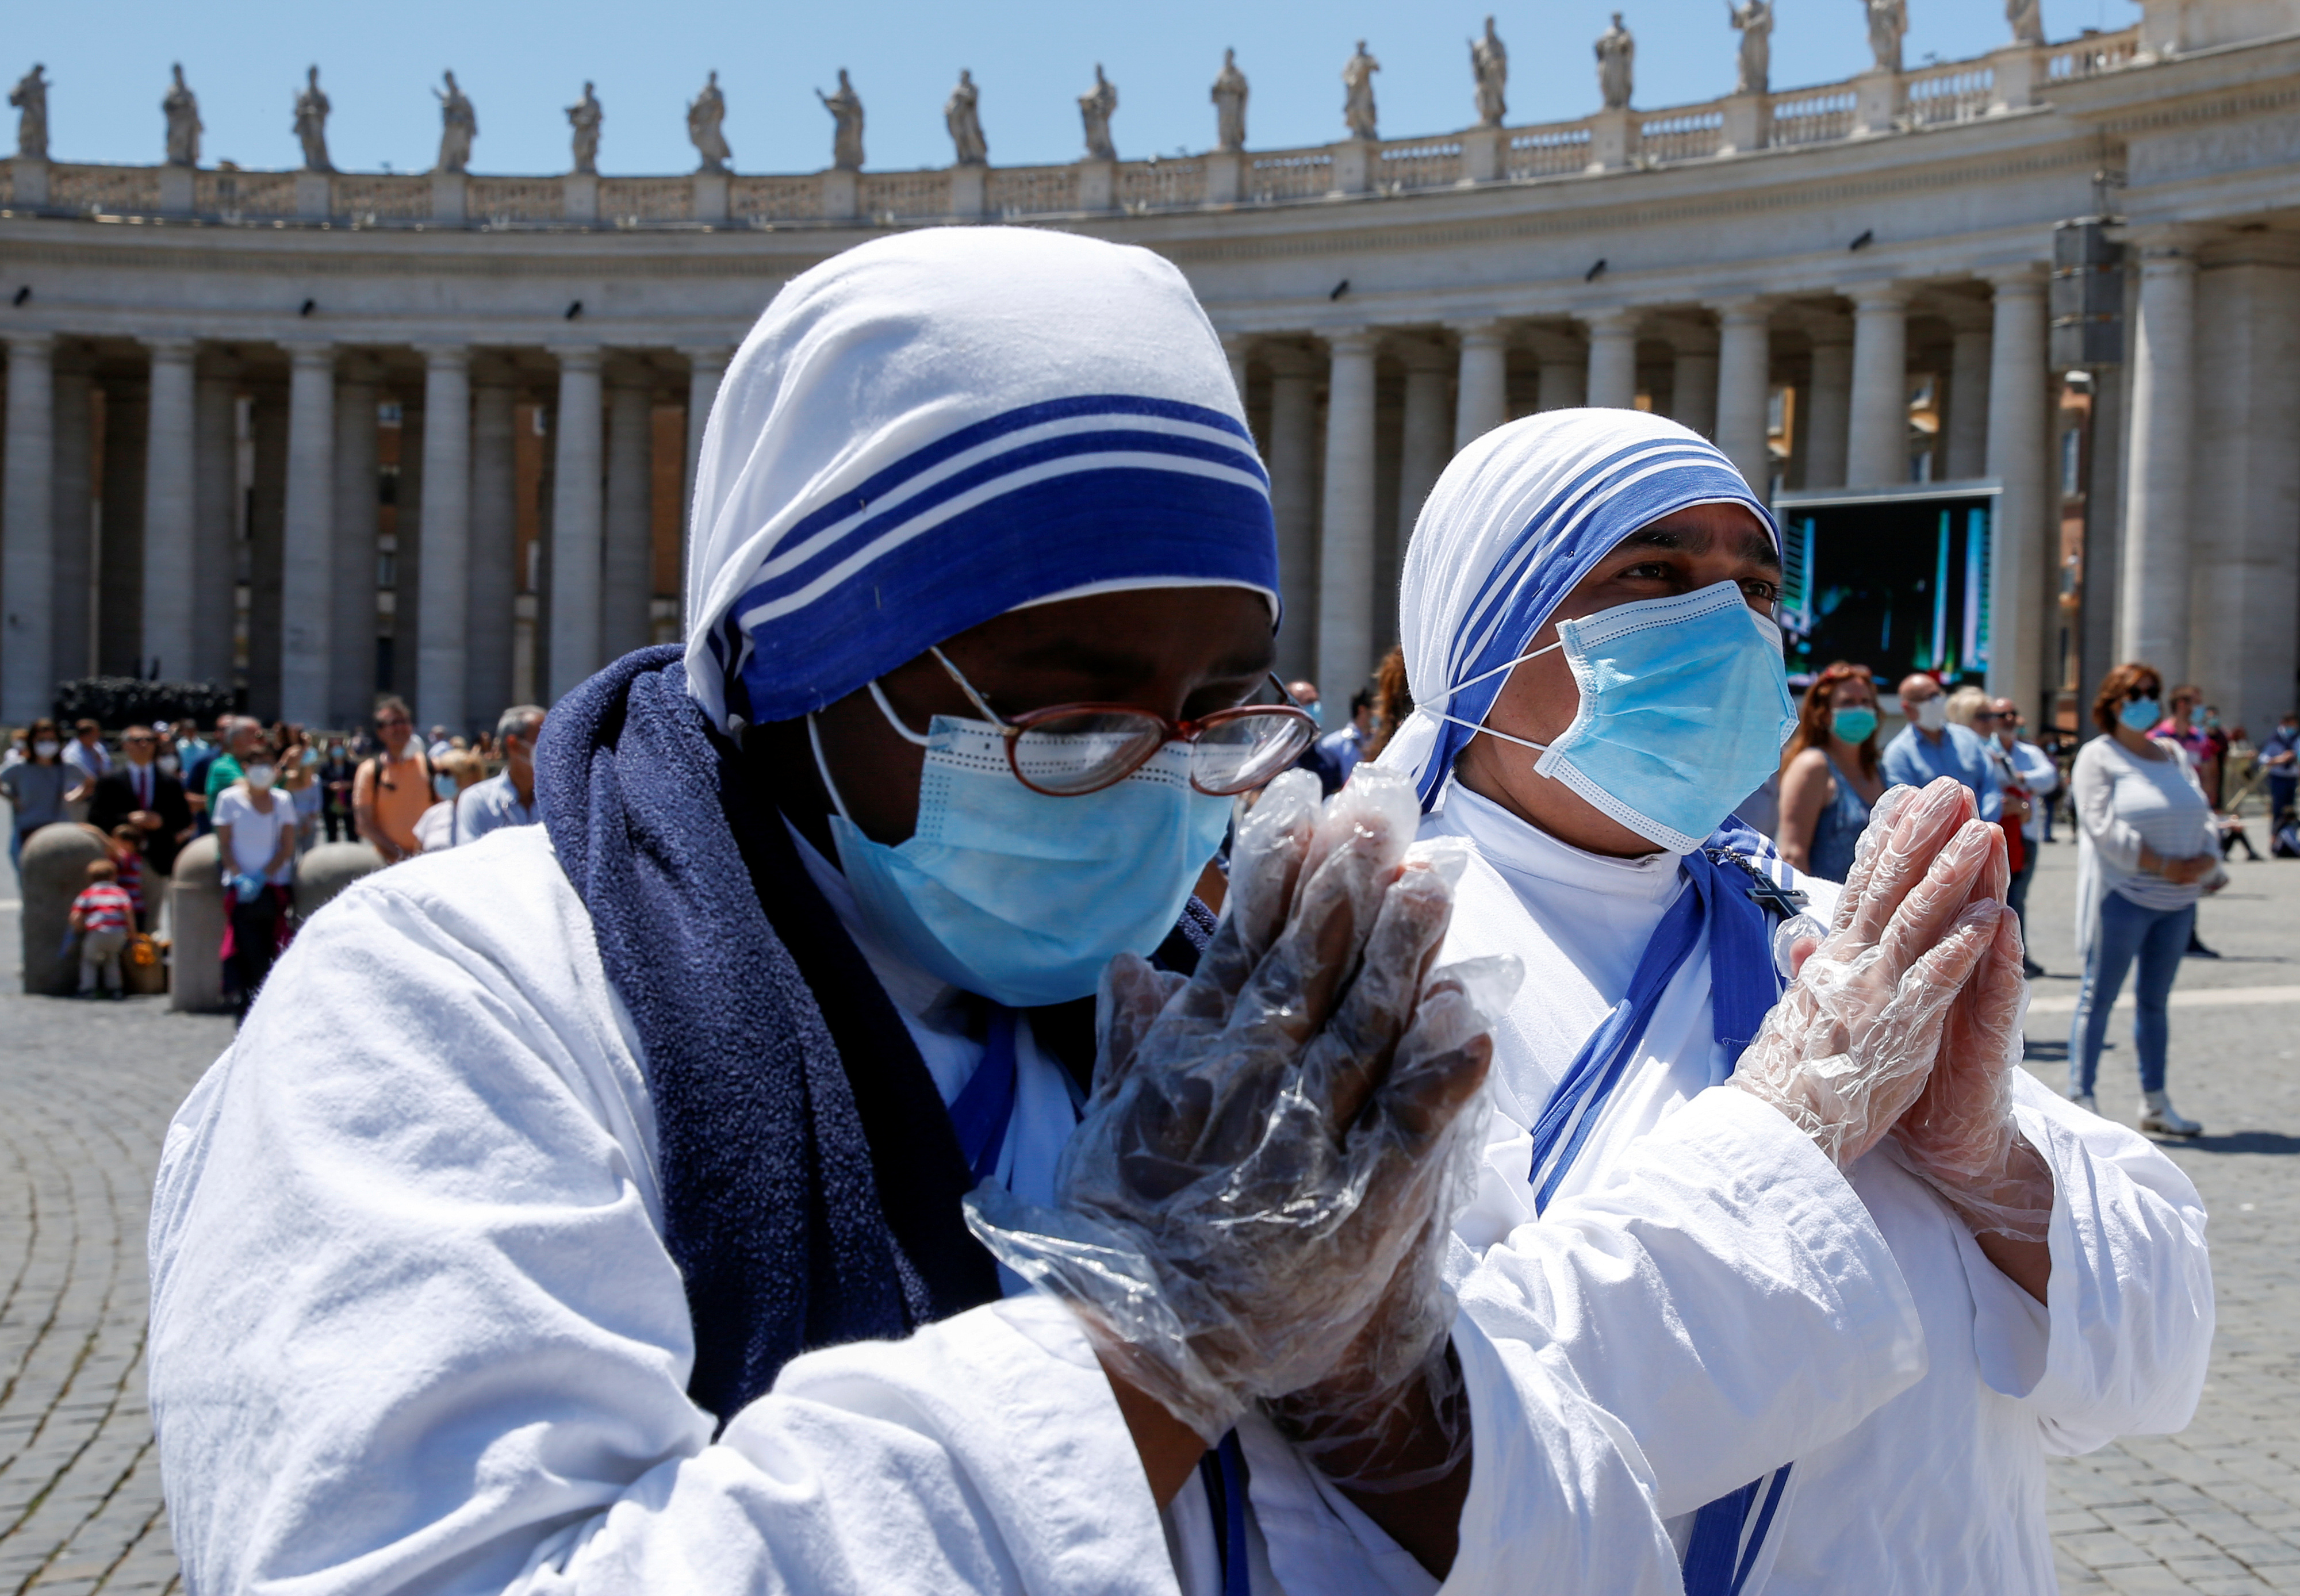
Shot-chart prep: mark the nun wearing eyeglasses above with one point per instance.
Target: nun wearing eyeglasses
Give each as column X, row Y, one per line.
column 731, row 1183
column 1586, row 618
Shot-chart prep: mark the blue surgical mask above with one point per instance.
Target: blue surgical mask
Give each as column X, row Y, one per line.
column 1855, row 725
column 444, row 785
column 1317, row 708
column 1022, row 897
column 2140, row 713
column 1685, row 706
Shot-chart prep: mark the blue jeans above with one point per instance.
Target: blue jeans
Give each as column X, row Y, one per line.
column 2159, row 937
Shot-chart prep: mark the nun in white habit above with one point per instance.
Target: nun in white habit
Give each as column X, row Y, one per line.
column 1586, row 616
column 588, row 1209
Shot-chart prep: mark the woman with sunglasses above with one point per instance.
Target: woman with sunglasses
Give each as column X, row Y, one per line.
column 639, row 1201
column 2148, row 848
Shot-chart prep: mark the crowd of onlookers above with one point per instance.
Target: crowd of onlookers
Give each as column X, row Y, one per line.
column 269, row 793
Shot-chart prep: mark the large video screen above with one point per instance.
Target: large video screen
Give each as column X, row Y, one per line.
column 1897, row 581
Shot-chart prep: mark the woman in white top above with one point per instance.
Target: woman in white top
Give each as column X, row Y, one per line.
column 255, row 836
column 435, row 827
column 2147, row 850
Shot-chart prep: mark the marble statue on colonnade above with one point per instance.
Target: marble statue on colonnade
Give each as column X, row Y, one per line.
column 2027, row 19
column 459, row 125
column 181, row 107
column 1490, row 65
column 1888, row 24
column 1754, row 63
column 30, row 96
column 846, row 108
column 1357, row 94
column 1229, row 104
column 584, row 116
column 702, row 119
column 1617, row 58
column 962, row 115
column 1097, row 106
column 311, row 109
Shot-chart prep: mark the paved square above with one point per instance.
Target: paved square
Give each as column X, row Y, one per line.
column 86, row 1091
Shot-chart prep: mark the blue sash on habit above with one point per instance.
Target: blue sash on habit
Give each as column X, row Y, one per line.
column 1737, row 887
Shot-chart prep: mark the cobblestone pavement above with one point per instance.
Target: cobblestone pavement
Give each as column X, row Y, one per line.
column 85, row 1092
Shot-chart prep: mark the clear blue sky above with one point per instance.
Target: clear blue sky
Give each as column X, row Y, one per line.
column 523, row 64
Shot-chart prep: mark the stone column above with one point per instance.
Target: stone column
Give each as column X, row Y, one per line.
column 1483, row 402
column 73, row 515
column 443, row 589
column 1293, row 504
column 1877, row 437
column 575, row 524
column 307, row 544
column 1562, row 371
column 2027, row 547
column 1744, row 388
column 1968, row 402
column 1612, row 360
column 495, row 550
column 217, row 510
column 627, row 567
column 407, row 539
column 27, row 532
column 1828, row 405
column 1693, row 382
column 358, row 477
column 704, row 368
column 2152, row 602
column 267, row 509
column 120, row 545
column 2245, row 592
column 168, row 509
column 1346, row 533
column 1424, row 442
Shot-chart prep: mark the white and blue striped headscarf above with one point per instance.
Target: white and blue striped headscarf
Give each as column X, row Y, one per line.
column 1519, row 517
column 934, row 428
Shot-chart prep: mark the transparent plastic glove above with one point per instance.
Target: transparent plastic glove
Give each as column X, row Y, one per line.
column 1959, row 1136
column 1853, row 1041
column 1391, row 1415
column 1260, row 1154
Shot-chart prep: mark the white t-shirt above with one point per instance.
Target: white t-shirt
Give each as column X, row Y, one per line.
column 255, row 835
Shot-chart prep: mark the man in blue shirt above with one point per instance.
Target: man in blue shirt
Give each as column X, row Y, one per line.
column 508, row 797
column 1928, row 747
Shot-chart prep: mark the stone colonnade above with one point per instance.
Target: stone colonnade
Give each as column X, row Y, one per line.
column 1720, row 368
column 203, row 500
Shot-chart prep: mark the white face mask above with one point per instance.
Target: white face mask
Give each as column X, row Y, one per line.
column 167, row 763
column 1932, row 715
column 45, row 748
column 260, row 777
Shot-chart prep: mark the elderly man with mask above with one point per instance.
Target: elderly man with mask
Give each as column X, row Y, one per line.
column 644, row 1201
column 1931, row 746
column 1586, row 618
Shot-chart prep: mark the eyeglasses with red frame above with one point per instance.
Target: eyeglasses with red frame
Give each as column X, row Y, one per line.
column 1069, row 750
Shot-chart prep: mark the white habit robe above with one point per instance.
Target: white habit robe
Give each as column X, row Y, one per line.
column 1941, row 1490
column 414, row 1327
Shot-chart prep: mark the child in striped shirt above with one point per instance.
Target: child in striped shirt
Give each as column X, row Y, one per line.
column 128, row 857
column 103, row 915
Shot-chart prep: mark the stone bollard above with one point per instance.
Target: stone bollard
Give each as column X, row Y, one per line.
column 53, row 871
column 197, row 913
column 326, row 869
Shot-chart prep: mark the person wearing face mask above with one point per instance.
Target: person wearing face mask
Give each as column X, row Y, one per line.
column 2031, row 770
column 453, row 779
column 2279, row 761
column 1830, row 779
column 1932, row 745
column 142, row 791
column 39, row 788
column 1586, row 609
column 2147, row 849
column 733, row 1181
column 256, row 841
